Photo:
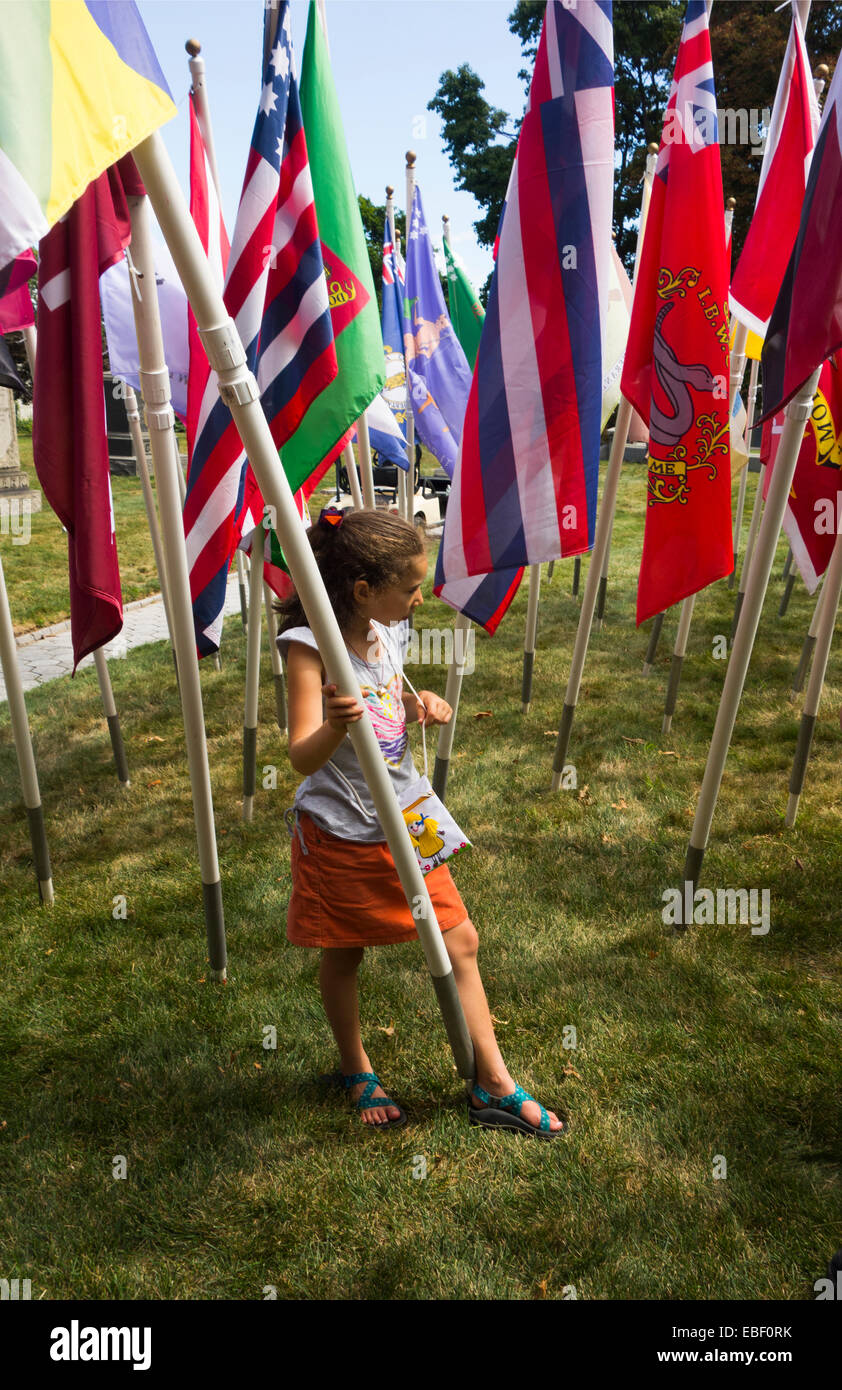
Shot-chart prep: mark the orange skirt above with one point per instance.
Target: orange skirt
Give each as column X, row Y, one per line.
column 345, row 893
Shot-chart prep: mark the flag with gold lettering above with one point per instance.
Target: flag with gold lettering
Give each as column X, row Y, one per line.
column 677, row 360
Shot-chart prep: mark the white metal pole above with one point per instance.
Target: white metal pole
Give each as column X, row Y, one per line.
column 353, row 477
column 741, row 496
column 239, row 390
column 827, row 610
column 277, row 664
column 403, row 478
column 797, row 415
column 23, row 748
column 463, row 638
column 530, row 637
column 364, row 447
column 155, row 389
column 133, row 417
column 809, row 643
column 677, row 661
column 255, row 633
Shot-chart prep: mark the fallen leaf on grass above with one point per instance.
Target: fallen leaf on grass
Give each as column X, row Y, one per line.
column 542, row 1289
column 483, row 714
column 154, row 738
column 390, row 1031
column 619, row 805
column 259, row 1066
column 156, row 783
column 583, row 792
column 630, row 740
column 668, row 753
column 798, row 862
column 570, row 1070
column 501, row 1022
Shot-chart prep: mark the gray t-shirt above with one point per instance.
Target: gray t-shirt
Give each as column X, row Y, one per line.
column 325, row 795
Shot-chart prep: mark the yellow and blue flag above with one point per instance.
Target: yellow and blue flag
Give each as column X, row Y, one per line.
column 81, row 86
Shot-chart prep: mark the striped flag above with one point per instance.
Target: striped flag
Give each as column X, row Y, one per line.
column 780, row 192
column 525, row 484
column 276, row 292
column 207, row 215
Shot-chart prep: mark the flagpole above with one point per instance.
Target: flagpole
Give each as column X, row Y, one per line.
column 753, row 527
column 809, row 643
column 583, row 632
column 410, row 414
column 654, row 637
column 797, row 415
column 648, row 179
column 240, row 393
column 827, row 611
column 253, row 641
column 277, row 665
column 23, row 748
column 112, row 718
column 677, row 662
column 403, row 478
column 738, row 519
column 198, row 77
column 133, row 417
column 788, row 588
column 353, row 477
column 530, row 637
column 155, row 389
column 364, row 448
column 598, row 567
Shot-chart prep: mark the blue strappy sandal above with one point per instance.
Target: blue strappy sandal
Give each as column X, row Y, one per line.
column 366, row 1102
column 503, row 1112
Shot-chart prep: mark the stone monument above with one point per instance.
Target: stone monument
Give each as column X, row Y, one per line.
column 16, row 496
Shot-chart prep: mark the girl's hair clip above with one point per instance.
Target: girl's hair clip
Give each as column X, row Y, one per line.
column 330, row 516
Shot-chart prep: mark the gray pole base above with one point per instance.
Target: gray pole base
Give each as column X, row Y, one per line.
column 806, row 730
column 456, row 1027
column 787, row 564
column 577, row 570
column 791, row 811
column 654, row 639
column 40, row 852
column 738, row 608
column 215, row 929
column 787, row 594
column 806, row 656
column 693, row 865
column 118, row 749
column 562, row 742
column 600, row 600
column 672, row 687
column 526, row 683
column 550, row 568
column 249, row 771
column 666, row 724
column 440, row 772
column 733, row 575
column 244, row 611
column 281, row 703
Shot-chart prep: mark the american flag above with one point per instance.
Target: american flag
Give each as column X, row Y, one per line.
column 207, row 215
column 525, row 484
column 276, row 292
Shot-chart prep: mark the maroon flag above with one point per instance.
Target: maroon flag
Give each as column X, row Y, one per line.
column 69, row 442
column 806, row 323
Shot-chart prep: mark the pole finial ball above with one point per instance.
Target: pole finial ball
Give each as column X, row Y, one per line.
column 193, row 47
column 652, row 148
column 730, row 204
column 410, row 158
column 822, row 71
column 389, row 190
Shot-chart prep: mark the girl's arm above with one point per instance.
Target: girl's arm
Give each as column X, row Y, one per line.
column 312, row 738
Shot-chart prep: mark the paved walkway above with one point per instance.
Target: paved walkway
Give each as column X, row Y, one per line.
column 48, row 653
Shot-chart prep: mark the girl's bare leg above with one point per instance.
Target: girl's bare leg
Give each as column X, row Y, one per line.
column 492, row 1074
column 338, row 983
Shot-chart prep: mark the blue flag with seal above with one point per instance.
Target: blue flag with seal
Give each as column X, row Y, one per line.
column 439, row 375
column 388, row 444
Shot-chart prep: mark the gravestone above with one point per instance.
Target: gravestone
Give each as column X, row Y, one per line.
column 15, row 491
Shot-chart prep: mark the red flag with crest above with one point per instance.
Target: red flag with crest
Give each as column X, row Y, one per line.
column 677, row 360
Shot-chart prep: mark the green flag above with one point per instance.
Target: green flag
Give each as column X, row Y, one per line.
column 353, row 303
column 466, row 312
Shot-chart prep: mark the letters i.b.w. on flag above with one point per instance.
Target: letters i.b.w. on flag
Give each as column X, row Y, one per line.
column 524, row 489
column 677, row 360
column 276, row 293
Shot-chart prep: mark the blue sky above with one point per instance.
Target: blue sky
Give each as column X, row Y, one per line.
column 387, row 57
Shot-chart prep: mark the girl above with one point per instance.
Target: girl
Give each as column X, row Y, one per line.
column 346, row 892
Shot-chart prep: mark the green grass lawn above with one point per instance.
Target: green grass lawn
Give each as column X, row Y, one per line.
column 242, row 1172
